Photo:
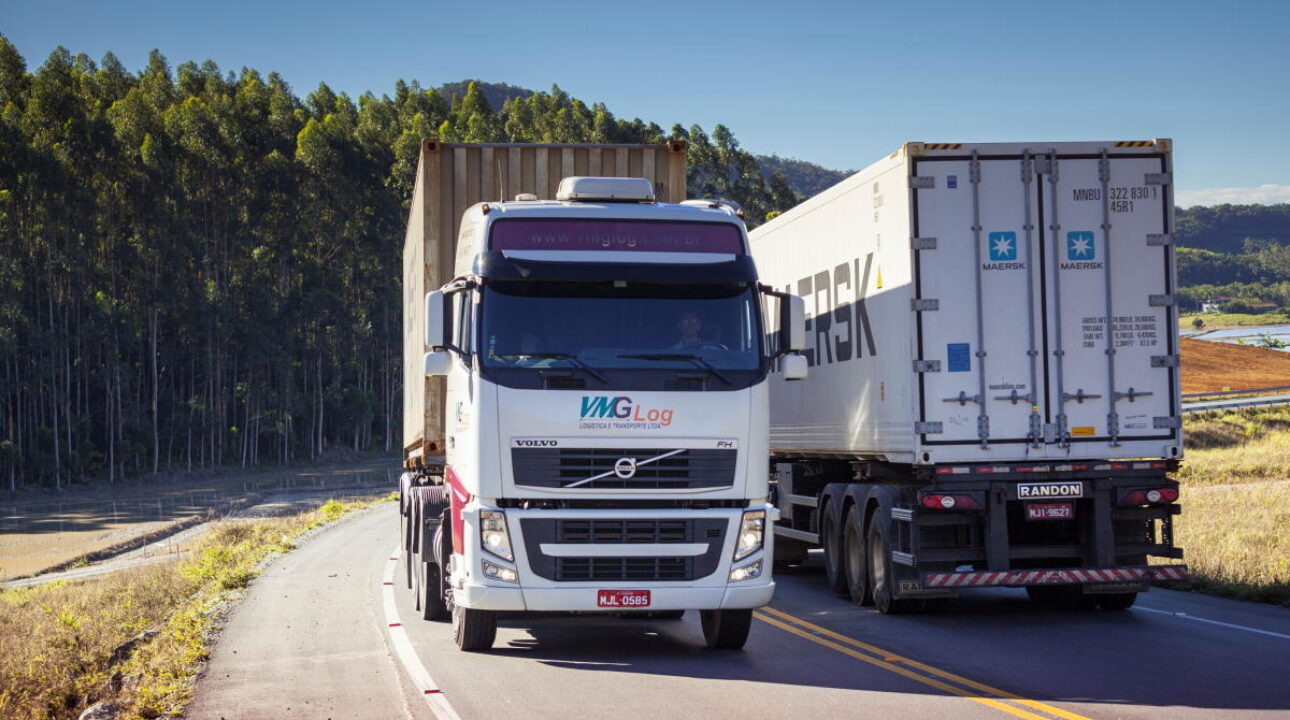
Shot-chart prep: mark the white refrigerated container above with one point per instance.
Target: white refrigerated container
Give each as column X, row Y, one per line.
column 957, row 297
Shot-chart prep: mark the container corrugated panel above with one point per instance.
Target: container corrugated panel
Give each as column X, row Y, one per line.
column 958, row 298
column 451, row 178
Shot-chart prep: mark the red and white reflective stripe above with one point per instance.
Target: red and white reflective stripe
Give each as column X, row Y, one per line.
column 953, row 470
column 1034, row 468
column 401, row 644
column 1020, row 578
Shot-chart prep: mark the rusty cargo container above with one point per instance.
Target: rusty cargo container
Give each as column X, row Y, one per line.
column 452, row 177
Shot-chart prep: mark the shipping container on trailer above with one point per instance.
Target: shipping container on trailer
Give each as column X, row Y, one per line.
column 993, row 396
column 957, row 299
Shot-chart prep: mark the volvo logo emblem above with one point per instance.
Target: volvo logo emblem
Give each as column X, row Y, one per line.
column 625, row 468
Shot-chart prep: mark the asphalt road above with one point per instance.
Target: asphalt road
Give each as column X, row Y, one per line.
column 314, row 639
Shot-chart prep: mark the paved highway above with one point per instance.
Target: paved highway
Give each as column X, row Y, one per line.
column 321, row 635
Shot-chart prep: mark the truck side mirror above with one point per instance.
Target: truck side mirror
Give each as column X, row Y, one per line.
column 793, row 366
column 436, row 325
column 793, row 324
column 438, row 362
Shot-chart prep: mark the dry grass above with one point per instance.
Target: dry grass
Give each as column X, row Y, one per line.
column 57, row 641
column 1235, row 524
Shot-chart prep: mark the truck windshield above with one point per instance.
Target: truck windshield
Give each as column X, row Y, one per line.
column 614, row 325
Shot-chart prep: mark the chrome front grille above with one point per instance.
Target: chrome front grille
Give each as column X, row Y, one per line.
column 594, row 468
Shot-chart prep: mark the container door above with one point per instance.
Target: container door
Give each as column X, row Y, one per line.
column 978, row 272
column 1110, row 359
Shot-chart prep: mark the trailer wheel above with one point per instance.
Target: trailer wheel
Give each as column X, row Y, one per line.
column 1117, row 601
column 725, row 629
column 881, row 578
column 409, row 542
column 831, row 539
column 857, row 572
column 473, row 630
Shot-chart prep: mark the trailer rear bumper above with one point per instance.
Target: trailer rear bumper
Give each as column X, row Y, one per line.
column 1064, row 576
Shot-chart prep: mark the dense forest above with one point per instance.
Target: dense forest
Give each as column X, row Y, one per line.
column 200, row 268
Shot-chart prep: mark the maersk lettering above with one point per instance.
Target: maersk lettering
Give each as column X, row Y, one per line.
column 838, row 329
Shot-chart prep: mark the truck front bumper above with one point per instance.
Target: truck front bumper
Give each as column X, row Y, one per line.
column 583, row 599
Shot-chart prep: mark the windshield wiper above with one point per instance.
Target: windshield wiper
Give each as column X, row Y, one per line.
column 683, row 357
column 573, row 360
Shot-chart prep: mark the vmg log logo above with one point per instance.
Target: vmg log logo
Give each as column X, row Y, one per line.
column 621, row 412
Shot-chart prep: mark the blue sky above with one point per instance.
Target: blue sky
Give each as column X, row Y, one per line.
column 837, row 83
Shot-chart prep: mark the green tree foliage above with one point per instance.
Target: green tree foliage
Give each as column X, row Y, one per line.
column 201, row 268
column 1225, row 228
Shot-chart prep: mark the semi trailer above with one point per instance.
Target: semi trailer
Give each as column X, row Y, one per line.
column 585, row 410
column 993, row 396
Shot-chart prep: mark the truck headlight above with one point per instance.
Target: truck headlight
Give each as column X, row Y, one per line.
column 497, row 572
column 492, row 534
column 751, row 533
column 747, row 572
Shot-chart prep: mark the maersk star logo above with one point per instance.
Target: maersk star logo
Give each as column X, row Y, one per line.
column 1003, row 246
column 1079, row 246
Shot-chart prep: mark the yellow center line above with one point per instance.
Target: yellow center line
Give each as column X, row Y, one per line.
column 893, row 662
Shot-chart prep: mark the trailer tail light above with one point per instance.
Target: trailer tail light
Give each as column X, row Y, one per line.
column 943, row 501
column 1154, row 496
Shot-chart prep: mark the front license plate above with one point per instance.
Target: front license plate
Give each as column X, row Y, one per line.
column 1050, row 511
column 627, row 599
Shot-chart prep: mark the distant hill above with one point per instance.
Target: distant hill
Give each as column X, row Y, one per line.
column 1224, row 228
column 806, row 178
column 496, row 93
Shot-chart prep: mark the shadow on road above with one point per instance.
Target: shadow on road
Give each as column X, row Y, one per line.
column 996, row 637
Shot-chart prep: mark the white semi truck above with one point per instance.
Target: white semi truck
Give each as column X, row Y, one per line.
column 993, row 394
column 599, row 443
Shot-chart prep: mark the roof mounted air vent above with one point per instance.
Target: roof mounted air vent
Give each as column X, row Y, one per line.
column 605, row 189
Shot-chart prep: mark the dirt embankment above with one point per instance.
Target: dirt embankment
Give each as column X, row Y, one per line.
column 1214, row 366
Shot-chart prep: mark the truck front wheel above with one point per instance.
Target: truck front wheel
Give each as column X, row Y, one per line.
column 856, row 567
column 725, row 629
column 881, row 579
column 473, row 630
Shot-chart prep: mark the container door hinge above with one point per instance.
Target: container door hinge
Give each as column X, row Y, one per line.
column 927, row 243
column 922, row 182
column 924, row 304
column 1160, row 300
column 1166, row 423
column 1158, row 179
column 1155, row 239
column 926, row 366
column 928, row 428
column 1164, row 361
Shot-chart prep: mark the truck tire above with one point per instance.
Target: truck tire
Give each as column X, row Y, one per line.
column 435, row 605
column 725, row 629
column 831, row 539
column 855, row 559
column 1117, row 601
column 473, row 630
column 881, row 577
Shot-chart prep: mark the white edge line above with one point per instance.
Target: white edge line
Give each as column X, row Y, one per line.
column 403, row 646
column 1185, row 616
